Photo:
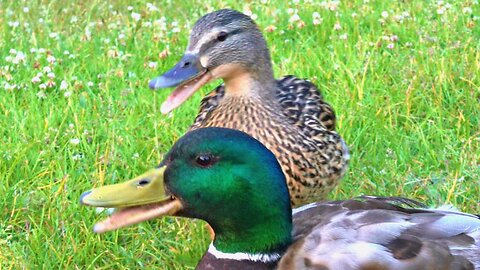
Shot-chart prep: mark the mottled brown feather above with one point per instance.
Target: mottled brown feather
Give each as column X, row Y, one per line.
column 299, row 130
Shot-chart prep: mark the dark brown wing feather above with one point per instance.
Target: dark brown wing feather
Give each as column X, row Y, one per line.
column 382, row 233
column 303, row 104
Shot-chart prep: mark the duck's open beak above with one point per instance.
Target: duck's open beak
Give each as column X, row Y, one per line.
column 140, row 199
column 188, row 75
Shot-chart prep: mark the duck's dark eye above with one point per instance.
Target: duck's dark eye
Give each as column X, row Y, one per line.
column 222, row 36
column 204, row 160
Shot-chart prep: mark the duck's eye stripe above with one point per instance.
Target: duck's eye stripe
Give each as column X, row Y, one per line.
column 215, row 40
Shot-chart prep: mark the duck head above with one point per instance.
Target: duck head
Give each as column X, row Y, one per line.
column 224, row 44
column 222, row 176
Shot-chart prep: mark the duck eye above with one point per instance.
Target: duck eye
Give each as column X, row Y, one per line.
column 204, row 160
column 222, row 36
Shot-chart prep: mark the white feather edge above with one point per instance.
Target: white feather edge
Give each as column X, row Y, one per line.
column 240, row 256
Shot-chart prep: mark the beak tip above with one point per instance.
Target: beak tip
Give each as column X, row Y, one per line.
column 83, row 196
column 153, row 84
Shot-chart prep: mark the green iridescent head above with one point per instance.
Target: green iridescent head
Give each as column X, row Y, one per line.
column 222, row 176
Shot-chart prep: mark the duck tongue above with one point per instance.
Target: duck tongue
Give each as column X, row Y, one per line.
column 184, row 91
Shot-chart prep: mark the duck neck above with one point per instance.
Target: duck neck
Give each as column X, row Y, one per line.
column 256, row 81
column 263, row 236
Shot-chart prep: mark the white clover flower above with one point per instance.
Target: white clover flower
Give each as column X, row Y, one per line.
column 14, row 24
column 51, row 75
column 36, row 79
column 20, row 57
column 151, row 7
column 41, row 95
column 8, row 58
column 77, row 156
column 390, row 46
column 42, row 86
column 136, row 16
column 26, row 9
column 41, row 50
column 66, row 52
column 384, row 14
column 75, row 141
column 74, row 19
column 129, row 8
column 294, row 18
column 51, row 59
column 50, row 84
column 12, row 51
column 47, row 69
column 67, row 94
column 467, row 10
column 152, row 65
column 343, row 36
column 337, row 26
column 33, row 50
column 63, row 85
column 7, row 86
column 53, row 35
column 90, row 84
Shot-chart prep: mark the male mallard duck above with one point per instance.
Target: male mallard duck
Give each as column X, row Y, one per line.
column 234, row 183
column 288, row 115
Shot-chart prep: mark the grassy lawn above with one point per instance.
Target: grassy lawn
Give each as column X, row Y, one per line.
column 76, row 111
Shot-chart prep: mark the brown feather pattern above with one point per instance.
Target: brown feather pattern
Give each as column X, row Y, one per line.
column 298, row 127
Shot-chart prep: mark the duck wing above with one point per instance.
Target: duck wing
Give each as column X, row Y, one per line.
column 382, row 233
column 303, row 105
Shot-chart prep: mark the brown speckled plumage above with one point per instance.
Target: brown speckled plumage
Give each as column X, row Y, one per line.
column 299, row 129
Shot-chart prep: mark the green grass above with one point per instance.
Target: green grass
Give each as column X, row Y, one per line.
column 410, row 114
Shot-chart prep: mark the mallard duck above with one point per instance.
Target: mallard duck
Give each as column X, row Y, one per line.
column 234, row 183
column 288, row 115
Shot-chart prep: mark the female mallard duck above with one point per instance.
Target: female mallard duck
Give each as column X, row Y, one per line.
column 289, row 116
column 234, row 183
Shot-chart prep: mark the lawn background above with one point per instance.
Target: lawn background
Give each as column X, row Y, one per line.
column 76, row 112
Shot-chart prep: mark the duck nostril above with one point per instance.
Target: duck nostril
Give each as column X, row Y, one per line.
column 143, row 182
column 186, row 64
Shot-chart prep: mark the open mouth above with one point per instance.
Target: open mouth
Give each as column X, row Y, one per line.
column 184, row 91
column 140, row 199
column 124, row 217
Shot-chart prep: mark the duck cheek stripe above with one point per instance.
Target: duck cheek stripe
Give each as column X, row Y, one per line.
column 241, row 256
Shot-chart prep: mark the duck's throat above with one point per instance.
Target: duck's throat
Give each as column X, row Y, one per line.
column 243, row 82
